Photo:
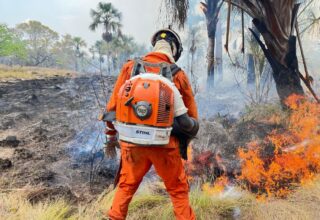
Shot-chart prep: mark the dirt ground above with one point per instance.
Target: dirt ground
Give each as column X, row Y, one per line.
column 41, row 123
column 50, row 139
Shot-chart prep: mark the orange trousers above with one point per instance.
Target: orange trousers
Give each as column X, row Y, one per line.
column 136, row 162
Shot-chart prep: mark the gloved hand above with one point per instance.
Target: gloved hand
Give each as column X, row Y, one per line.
column 110, row 146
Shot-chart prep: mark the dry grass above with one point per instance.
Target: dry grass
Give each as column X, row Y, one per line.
column 147, row 205
column 304, row 204
column 17, row 72
column 16, row 207
column 264, row 111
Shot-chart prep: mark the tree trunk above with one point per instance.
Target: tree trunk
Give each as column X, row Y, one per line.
column 275, row 20
column 286, row 76
column 100, row 64
column 211, row 11
column 251, row 79
column 251, row 70
column 219, row 50
column 77, row 64
column 211, row 63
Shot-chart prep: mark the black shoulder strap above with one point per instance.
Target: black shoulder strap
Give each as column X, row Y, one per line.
column 166, row 69
column 174, row 69
column 138, row 67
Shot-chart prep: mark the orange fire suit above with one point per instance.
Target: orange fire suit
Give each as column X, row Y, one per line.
column 137, row 160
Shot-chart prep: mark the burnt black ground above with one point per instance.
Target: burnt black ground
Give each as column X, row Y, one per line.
column 38, row 120
column 50, row 139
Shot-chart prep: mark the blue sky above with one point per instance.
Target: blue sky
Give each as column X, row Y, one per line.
column 140, row 17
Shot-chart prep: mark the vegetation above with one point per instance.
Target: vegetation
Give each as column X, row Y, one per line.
column 109, row 17
column 301, row 205
column 211, row 10
column 17, row 72
column 32, row 43
column 39, row 40
column 15, row 206
column 32, row 49
column 69, row 52
column 11, row 44
column 279, row 44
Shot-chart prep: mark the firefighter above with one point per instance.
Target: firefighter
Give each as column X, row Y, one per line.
column 137, row 160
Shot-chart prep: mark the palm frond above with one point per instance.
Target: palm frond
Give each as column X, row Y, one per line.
column 309, row 18
column 177, row 10
column 94, row 13
column 94, row 26
column 108, row 16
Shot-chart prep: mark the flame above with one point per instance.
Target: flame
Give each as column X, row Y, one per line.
column 295, row 159
column 188, row 165
column 217, row 188
column 190, row 153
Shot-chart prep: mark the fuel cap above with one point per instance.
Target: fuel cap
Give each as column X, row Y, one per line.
column 143, row 110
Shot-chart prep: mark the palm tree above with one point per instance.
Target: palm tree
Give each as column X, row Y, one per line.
column 178, row 12
column 100, row 49
column 109, row 17
column 78, row 43
column 119, row 50
column 211, row 9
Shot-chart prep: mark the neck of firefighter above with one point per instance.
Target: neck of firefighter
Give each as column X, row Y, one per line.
column 164, row 47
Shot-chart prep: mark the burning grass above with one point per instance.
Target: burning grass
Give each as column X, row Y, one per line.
column 280, row 151
column 294, row 158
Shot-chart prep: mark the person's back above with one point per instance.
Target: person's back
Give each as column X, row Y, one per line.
column 136, row 160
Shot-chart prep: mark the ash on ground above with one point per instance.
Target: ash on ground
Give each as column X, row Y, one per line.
column 46, row 132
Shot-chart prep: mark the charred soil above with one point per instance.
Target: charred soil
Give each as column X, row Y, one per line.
column 38, row 120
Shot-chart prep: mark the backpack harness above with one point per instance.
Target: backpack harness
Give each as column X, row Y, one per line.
column 145, row 105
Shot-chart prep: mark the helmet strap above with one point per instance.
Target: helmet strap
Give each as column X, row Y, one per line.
column 174, row 49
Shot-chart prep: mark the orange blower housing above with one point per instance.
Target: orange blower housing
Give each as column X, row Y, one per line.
column 145, row 102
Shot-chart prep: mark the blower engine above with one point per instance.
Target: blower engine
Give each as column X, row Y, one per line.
column 145, row 110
